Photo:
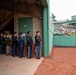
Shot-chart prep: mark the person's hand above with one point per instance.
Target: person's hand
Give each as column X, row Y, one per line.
column 41, row 43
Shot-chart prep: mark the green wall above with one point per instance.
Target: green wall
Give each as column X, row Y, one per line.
column 24, row 25
column 50, row 29
column 68, row 41
column 47, row 30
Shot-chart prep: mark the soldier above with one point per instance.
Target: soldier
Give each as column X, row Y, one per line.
column 14, row 44
column 37, row 43
column 8, row 43
column 2, row 44
column 21, row 45
column 29, row 44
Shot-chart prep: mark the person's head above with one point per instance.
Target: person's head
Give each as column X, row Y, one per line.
column 15, row 33
column 21, row 35
column 38, row 33
column 1, row 34
column 28, row 32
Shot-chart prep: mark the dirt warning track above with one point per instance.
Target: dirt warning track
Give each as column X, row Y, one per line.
column 64, row 63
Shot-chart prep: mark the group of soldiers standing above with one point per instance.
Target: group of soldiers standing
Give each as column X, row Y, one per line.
column 18, row 42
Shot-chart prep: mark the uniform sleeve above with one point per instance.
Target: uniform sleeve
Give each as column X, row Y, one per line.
column 18, row 40
column 9, row 41
column 30, row 40
column 37, row 39
column 3, row 39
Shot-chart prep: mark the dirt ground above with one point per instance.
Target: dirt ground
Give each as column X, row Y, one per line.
column 64, row 63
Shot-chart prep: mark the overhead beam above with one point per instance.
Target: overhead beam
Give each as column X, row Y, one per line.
column 6, row 22
column 6, row 4
column 44, row 3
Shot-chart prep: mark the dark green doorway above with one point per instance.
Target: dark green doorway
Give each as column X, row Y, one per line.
column 25, row 25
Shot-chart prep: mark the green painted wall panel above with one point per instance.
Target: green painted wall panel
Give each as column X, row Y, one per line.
column 24, row 25
column 56, row 41
column 50, row 41
column 65, row 41
column 45, row 31
column 73, row 41
column 50, row 31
